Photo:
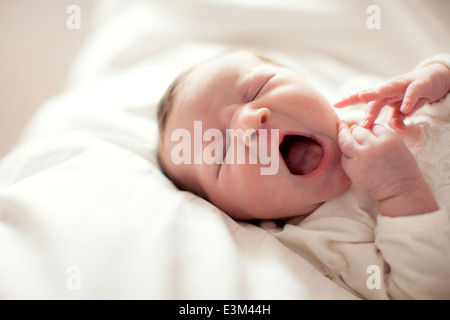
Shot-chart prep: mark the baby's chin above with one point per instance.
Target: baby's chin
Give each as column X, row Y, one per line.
column 297, row 211
column 268, row 211
column 338, row 184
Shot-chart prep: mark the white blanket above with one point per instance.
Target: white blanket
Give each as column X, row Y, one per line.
column 85, row 212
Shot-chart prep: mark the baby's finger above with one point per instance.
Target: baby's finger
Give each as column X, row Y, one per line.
column 379, row 131
column 419, row 104
column 362, row 135
column 413, row 93
column 370, row 95
column 372, row 113
column 396, row 120
column 347, row 143
column 348, row 101
column 391, row 89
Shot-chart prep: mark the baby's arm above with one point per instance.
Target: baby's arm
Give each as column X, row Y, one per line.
column 379, row 162
column 405, row 94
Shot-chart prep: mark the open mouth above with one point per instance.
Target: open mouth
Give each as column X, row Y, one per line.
column 301, row 154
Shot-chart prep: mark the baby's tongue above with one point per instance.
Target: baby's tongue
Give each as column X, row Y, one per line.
column 303, row 156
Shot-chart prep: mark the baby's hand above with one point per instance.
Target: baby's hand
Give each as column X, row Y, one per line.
column 378, row 161
column 405, row 94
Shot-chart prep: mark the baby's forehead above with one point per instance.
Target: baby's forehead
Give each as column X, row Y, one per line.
column 228, row 64
column 212, row 78
column 221, row 73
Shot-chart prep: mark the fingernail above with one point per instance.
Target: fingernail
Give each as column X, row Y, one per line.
column 363, row 123
column 404, row 108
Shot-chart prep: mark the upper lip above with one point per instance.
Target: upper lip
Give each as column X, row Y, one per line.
column 285, row 133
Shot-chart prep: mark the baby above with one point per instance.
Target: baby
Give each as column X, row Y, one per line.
column 319, row 156
column 353, row 200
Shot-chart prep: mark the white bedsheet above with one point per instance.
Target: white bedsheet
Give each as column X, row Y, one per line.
column 85, row 213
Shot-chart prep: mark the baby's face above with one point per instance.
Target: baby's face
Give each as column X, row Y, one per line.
column 240, row 91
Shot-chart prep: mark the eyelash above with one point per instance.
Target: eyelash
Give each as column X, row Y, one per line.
column 227, row 143
column 257, row 92
column 262, row 86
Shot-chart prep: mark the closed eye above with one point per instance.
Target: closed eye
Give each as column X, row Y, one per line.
column 225, row 150
column 262, row 86
column 227, row 144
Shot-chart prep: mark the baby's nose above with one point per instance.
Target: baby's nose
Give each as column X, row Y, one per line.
column 250, row 120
